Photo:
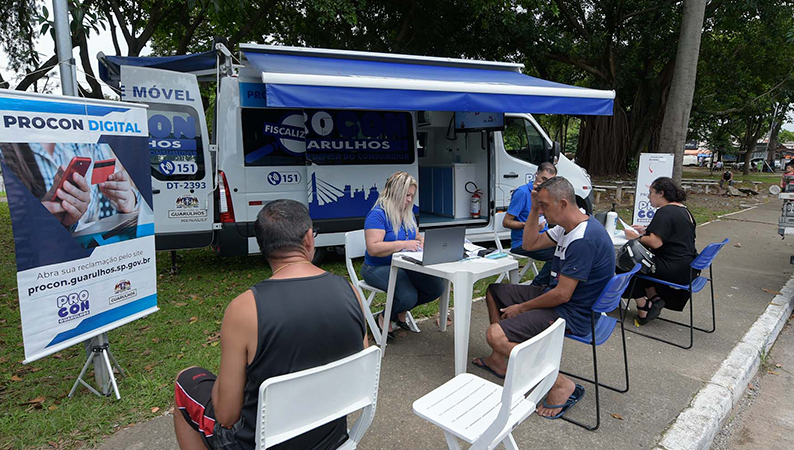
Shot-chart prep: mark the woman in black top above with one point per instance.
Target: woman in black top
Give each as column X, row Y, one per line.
column 671, row 237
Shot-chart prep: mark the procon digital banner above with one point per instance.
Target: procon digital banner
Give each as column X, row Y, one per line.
column 652, row 166
column 78, row 182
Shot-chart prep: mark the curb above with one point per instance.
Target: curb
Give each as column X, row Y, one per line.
column 697, row 425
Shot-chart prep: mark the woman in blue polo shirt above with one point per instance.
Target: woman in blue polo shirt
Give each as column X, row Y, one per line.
column 390, row 227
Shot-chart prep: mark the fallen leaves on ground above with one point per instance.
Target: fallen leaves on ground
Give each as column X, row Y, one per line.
column 772, row 372
column 155, row 340
column 149, row 367
column 770, row 291
column 193, row 319
column 36, row 401
column 155, row 409
column 636, row 323
column 617, row 416
column 737, row 245
column 146, row 352
column 180, row 304
column 16, row 378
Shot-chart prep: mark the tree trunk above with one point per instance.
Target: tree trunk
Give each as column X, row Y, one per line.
column 679, row 101
column 777, row 123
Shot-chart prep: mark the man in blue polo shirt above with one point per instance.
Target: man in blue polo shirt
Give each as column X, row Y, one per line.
column 516, row 217
column 583, row 264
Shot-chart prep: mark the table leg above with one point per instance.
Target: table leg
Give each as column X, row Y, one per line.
column 443, row 306
column 463, row 293
column 515, row 277
column 387, row 310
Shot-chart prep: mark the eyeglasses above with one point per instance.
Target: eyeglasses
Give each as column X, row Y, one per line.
column 315, row 232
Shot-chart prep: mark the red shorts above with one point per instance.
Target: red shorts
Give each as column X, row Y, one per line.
column 193, row 395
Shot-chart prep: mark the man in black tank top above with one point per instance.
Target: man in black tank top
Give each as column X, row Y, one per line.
column 279, row 326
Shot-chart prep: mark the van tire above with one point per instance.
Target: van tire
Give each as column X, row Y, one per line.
column 585, row 203
column 319, row 255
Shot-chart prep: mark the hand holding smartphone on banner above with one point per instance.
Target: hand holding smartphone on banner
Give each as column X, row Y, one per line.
column 69, row 196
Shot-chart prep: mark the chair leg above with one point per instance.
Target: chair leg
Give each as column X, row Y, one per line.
column 509, row 442
column 713, row 310
column 409, row 319
column 595, row 383
column 452, row 441
column 373, row 325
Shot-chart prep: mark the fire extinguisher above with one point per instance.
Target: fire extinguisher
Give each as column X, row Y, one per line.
column 476, row 196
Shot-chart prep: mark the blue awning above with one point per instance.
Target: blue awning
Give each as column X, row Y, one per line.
column 110, row 66
column 315, row 78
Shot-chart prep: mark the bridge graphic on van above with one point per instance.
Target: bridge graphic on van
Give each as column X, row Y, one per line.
column 327, row 201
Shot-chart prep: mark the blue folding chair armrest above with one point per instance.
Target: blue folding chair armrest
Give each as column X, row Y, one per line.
column 697, row 284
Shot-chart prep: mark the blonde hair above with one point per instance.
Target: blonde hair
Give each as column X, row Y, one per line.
column 392, row 200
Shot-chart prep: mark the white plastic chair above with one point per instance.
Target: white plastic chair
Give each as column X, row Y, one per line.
column 498, row 228
column 292, row 404
column 355, row 246
column 483, row 413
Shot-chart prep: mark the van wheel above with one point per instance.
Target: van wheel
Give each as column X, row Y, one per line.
column 319, row 255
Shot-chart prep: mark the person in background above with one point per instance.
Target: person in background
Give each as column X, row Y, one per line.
column 516, row 216
column 279, row 326
column 788, row 178
column 583, row 264
column 390, row 227
column 671, row 238
column 727, row 178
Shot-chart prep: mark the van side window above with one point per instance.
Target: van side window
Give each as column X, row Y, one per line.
column 273, row 137
column 523, row 141
column 176, row 151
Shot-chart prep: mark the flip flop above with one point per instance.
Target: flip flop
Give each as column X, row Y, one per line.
column 487, row 368
column 578, row 393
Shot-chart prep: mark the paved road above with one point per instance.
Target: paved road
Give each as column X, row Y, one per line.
column 765, row 419
column 663, row 378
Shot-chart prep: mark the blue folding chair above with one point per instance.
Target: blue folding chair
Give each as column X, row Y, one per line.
column 696, row 284
column 607, row 302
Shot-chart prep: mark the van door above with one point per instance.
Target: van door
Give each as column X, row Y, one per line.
column 349, row 156
column 182, row 184
column 520, row 150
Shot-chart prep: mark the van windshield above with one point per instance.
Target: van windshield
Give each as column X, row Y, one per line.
column 523, row 141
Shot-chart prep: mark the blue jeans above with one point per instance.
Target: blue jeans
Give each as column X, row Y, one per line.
column 411, row 290
column 545, row 254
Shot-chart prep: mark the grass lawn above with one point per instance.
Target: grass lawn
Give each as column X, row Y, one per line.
column 36, row 412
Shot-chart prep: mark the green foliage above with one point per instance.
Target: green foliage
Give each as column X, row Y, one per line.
column 18, row 35
column 785, row 136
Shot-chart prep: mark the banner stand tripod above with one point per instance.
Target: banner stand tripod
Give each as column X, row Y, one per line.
column 100, row 348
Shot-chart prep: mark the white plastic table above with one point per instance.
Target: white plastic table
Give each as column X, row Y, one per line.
column 462, row 275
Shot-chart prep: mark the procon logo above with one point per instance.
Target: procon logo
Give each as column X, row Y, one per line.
column 72, row 306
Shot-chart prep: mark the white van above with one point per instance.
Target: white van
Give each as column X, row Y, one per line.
column 327, row 127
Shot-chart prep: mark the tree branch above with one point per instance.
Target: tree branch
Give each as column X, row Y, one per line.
column 113, row 35
column 181, row 49
column 729, row 111
column 36, row 74
column 576, row 24
column 647, row 10
column 114, row 5
column 85, row 59
column 242, row 32
column 576, row 63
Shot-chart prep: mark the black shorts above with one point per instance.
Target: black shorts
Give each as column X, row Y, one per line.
column 525, row 325
column 193, row 395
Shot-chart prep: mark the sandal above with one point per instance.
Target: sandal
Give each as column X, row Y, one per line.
column 403, row 325
column 653, row 306
column 390, row 334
